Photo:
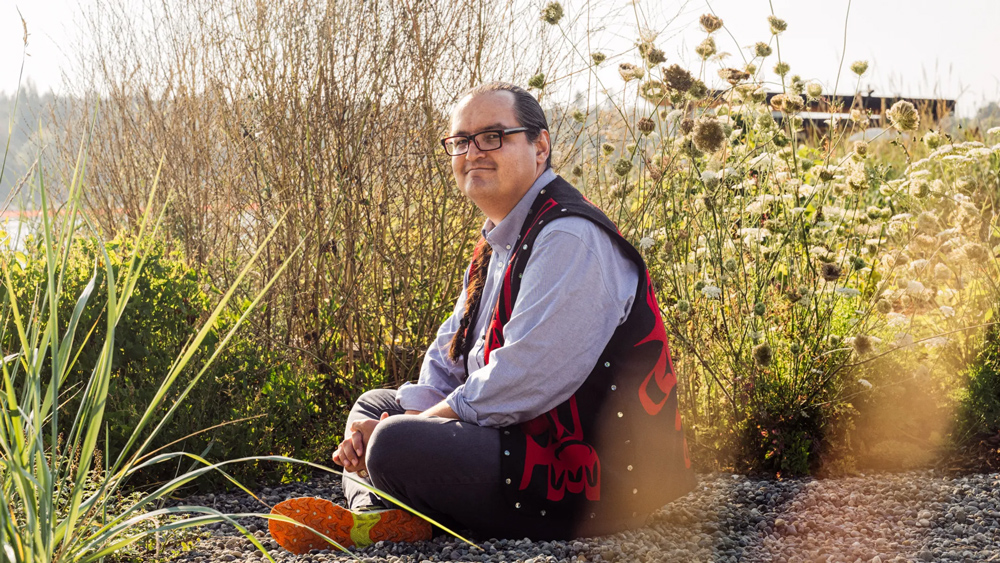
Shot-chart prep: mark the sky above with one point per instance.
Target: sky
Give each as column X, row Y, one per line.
column 915, row 48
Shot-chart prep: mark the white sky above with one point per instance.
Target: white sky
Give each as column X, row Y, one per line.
column 915, row 47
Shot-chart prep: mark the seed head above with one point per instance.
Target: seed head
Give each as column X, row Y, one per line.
column 598, row 57
column 629, row 71
column 933, row 139
column 903, row 116
column 762, row 49
column 653, row 90
column 859, row 67
column 698, row 90
column 706, row 48
column 759, row 309
column 733, row 75
column 710, row 23
column 830, row 271
column 777, row 24
column 781, row 68
column 646, row 125
column 683, row 305
column 579, row 116
column 709, row 136
column 814, row 90
column 862, row 344
column 730, row 265
column 762, row 354
column 687, row 125
column 861, row 149
column 651, row 54
column 552, row 13
column 678, row 78
column 787, row 103
column 578, row 170
column 623, row 166
column 537, row 81
column 927, row 222
column 607, row 148
column 975, row 252
column 883, row 306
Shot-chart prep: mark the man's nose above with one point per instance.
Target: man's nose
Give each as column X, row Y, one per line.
column 474, row 151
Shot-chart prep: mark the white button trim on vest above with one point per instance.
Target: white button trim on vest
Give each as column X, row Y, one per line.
column 508, row 247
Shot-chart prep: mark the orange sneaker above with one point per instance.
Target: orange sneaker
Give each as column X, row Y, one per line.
column 347, row 528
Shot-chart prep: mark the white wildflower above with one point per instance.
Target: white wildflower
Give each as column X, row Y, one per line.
column 896, row 320
column 645, row 243
column 865, row 382
column 848, row 292
column 947, row 311
column 903, row 340
column 711, row 291
column 914, row 288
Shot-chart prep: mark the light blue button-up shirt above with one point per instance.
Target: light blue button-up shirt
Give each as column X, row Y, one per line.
column 578, row 286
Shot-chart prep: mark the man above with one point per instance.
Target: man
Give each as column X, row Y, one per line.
column 547, row 406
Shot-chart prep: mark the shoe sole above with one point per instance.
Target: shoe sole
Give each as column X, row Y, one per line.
column 341, row 525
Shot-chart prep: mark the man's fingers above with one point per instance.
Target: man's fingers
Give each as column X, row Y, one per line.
column 384, row 416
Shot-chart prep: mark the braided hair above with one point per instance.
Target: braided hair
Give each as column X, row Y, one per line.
column 473, row 295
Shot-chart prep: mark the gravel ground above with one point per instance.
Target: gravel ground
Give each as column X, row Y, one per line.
column 916, row 516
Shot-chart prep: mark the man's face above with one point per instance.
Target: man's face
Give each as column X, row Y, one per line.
column 496, row 180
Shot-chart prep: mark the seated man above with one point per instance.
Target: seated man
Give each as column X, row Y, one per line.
column 547, row 405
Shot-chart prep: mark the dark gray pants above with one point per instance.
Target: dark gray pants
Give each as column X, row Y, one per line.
column 450, row 471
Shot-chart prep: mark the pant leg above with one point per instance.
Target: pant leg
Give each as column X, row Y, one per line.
column 370, row 405
column 450, row 471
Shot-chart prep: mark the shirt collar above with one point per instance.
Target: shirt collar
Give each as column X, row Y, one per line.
column 504, row 234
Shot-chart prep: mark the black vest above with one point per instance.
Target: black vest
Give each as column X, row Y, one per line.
column 616, row 448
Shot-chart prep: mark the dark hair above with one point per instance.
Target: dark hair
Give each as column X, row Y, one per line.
column 473, row 295
column 526, row 108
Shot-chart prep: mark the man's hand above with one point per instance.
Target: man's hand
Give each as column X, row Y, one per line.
column 351, row 452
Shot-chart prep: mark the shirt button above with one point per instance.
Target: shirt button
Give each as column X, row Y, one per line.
column 614, row 387
column 508, row 247
column 607, row 364
column 543, row 513
column 635, row 491
column 542, row 192
column 508, row 481
column 592, row 515
column 506, row 432
column 525, row 247
column 620, row 414
column 506, row 452
column 517, row 505
column 629, row 468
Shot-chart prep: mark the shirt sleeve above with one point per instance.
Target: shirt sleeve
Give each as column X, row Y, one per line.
column 439, row 375
column 578, row 286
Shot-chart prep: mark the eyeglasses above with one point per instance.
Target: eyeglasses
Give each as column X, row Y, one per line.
column 489, row 140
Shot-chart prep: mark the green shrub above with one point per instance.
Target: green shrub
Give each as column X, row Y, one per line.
column 249, row 380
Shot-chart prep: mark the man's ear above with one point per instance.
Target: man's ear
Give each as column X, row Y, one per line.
column 542, row 147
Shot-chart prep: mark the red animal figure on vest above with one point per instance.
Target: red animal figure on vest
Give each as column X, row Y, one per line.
column 572, row 464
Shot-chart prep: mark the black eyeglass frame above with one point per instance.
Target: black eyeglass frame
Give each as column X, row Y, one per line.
column 472, row 139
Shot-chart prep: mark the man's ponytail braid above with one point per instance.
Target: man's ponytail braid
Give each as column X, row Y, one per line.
column 473, row 295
